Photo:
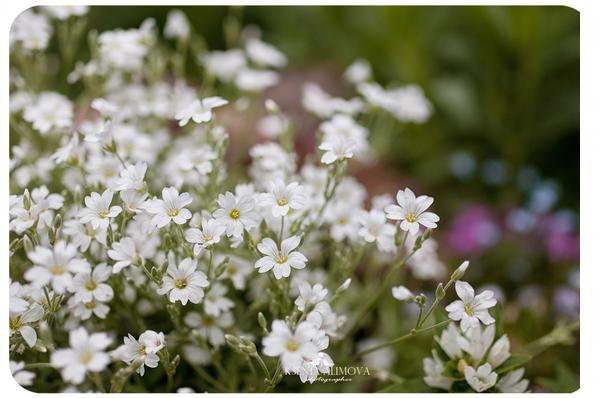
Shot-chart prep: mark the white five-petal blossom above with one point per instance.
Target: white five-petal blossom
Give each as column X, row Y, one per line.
column 86, row 353
column 482, row 378
column 132, row 177
column 200, row 110
column 235, row 213
column 337, row 148
column 284, row 198
column 184, row 283
column 411, row 211
column 90, row 285
column 55, row 266
column 208, row 235
column 281, row 261
column 170, row 208
column 19, row 323
column 291, row 347
column 145, row 349
column 471, row 309
column 98, row 210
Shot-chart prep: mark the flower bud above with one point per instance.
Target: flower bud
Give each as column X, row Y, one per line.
column 272, row 106
column 26, row 199
column 344, row 286
column 439, row 291
column 232, row 340
column 27, row 244
column 262, row 321
column 460, row 271
column 57, row 222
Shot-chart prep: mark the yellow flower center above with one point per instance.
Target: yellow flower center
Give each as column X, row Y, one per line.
column 180, row 283
column 281, row 259
column 103, row 213
column 57, row 269
column 469, row 310
column 411, row 217
column 282, row 201
column 90, row 285
column 142, row 349
column 173, row 212
column 235, row 214
column 90, row 306
column 14, row 323
column 292, row 345
column 85, row 357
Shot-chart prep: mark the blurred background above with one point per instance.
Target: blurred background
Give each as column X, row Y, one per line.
column 500, row 153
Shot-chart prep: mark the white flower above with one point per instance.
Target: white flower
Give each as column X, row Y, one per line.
column 200, row 110
column 19, row 323
column 123, row 49
column 255, row 80
column 89, row 285
column 170, row 208
column 177, row 26
column 199, row 158
column 449, row 341
column 325, row 319
column 513, row 382
column 317, row 101
column 225, row 65
column 209, row 235
column 210, row 327
column 237, row 270
column 291, row 347
column 133, row 201
column 215, row 301
column 86, row 353
column 434, row 377
column 98, row 210
column 132, row 177
column 145, row 350
column 337, row 148
column 411, row 211
column 374, row 228
column 184, row 283
column 124, row 253
column 471, row 309
column 280, row 261
column 235, row 213
column 21, row 376
column 343, row 128
column 499, row 352
column 50, row 111
column 264, row 54
column 54, row 266
column 84, row 311
column 358, row 72
column 309, row 295
column 283, row 198
column 64, row 12
column 401, row 293
column 481, row 379
column 32, row 30
column 477, row 342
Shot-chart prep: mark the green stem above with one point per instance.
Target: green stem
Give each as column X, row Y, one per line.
column 388, row 281
column 412, row 333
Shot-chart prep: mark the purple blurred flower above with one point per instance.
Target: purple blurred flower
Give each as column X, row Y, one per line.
column 473, row 231
column 566, row 301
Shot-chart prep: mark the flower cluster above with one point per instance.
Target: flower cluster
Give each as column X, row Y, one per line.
column 125, row 219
